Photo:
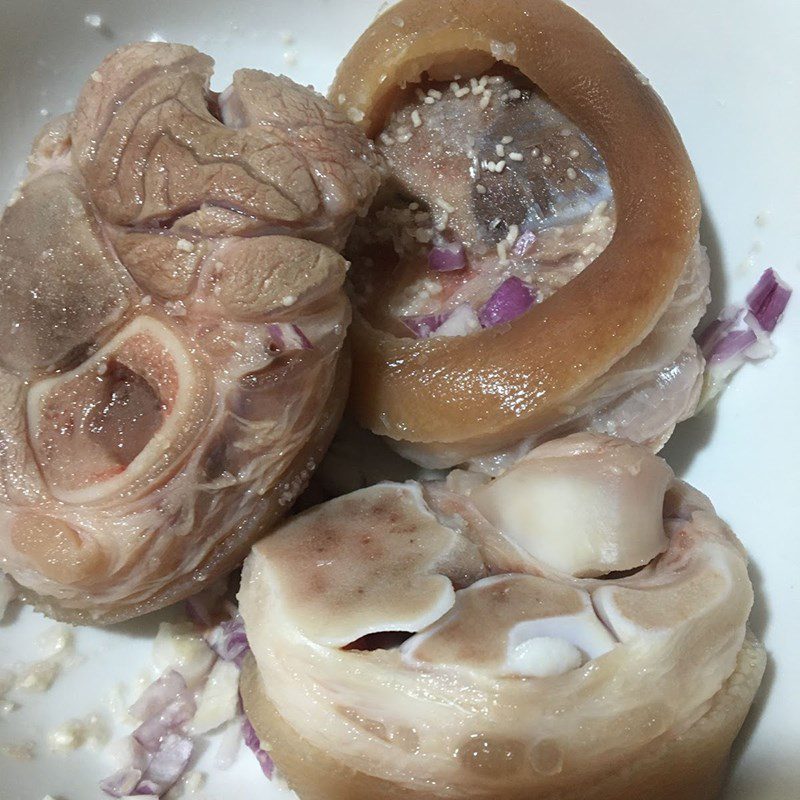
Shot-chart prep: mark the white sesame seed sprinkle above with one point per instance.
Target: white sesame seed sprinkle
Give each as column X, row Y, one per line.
column 513, row 233
column 399, row 22
column 565, row 132
column 500, row 166
column 355, row 114
column 386, row 139
column 445, row 206
column 404, row 138
column 97, row 77
column 500, row 150
column 341, row 98
column 574, row 153
column 435, row 94
column 289, row 300
column 480, row 188
column 185, row 246
column 547, row 161
column 463, row 92
column 416, row 119
column 413, row 206
column 571, row 173
column 515, row 156
column 93, row 21
column 486, row 99
column 536, row 152
column 514, row 94
column 429, row 101
column 507, row 140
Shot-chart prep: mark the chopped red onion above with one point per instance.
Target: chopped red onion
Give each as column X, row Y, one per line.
column 254, row 743
column 768, row 300
column 229, row 640
column 159, row 747
column 741, row 334
column 423, row 326
column 168, row 689
column 510, row 299
column 447, row 257
column 121, row 783
column 524, row 243
column 169, row 762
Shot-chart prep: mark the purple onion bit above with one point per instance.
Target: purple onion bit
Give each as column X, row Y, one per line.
column 524, row 243
column 447, row 257
column 254, row 743
column 512, row 298
column 768, row 299
column 229, row 640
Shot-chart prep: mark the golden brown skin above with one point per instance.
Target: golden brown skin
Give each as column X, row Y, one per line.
column 490, row 389
column 689, row 767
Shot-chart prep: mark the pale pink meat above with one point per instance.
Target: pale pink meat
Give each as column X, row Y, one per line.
column 172, row 318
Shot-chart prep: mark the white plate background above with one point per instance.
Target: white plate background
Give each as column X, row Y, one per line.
column 729, row 70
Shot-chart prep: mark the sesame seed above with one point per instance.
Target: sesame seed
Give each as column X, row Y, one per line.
column 507, row 139
column 513, row 233
column 571, row 174
column 514, row 94
column 500, row 166
column 289, row 300
column 97, row 77
column 413, row 206
column 341, row 98
column 499, row 149
column 547, row 161
column 429, row 101
column 480, row 188
column 486, row 99
column 185, row 246
column 516, row 156
column 416, row 119
column 443, row 204
column 463, row 92
column 386, row 139
column 574, row 153
column 565, row 132
column 536, row 152
column 93, row 21
column 404, row 137
column 355, row 114
column 399, row 22
column 435, row 94
column 455, row 86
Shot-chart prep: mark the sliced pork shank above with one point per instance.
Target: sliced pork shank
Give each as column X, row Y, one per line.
column 172, row 319
column 574, row 628
column 531, row 264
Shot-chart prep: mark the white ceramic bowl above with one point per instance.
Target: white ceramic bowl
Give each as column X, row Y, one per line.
column 729, row 70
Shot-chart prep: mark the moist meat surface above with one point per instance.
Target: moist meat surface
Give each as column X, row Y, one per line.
column 172, row 315
column 490, row 186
